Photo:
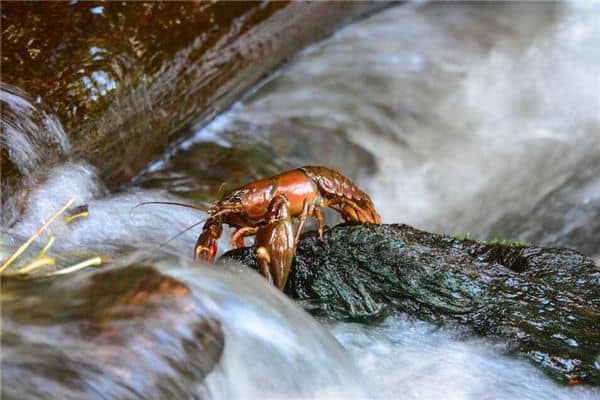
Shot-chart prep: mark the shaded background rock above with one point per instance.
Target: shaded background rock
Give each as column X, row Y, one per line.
column 124, row 333
column 543, row 303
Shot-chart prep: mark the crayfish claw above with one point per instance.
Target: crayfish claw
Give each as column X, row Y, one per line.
column 205, row 254
column 274, row 244
column 263, row 254
column 207, row 243
column 264, row 262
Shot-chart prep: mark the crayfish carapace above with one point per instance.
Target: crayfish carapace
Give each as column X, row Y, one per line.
column 265, row 208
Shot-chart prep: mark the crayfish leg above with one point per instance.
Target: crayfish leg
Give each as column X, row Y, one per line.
column 264, row 261
column 351, row 211
column 237, row 238
column 319, row 216
column 307, row 209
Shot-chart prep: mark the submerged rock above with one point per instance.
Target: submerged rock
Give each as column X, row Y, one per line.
column 544, row 303
column 124, row 333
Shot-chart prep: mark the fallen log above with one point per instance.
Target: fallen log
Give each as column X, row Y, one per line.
column 126, row 80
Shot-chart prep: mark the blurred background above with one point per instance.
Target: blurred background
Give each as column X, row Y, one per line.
column 471, row 119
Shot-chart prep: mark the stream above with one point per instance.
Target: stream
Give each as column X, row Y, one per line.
column 470, row 119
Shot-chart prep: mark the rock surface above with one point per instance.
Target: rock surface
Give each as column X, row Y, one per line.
column 121, row 334
column 544, row 303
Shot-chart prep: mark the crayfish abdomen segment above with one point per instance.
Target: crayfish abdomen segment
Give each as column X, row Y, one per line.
column 343, row 195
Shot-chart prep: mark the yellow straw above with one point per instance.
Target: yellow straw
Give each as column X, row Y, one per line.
column 38, row 262
column 37, row 233
column 46, row 247
column 78, row 266
column 69, row 218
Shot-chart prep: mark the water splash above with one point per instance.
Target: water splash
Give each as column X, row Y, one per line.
column 121, row 326
column 408, row 359
column 114, row 221
column 30, row 135
column 274, row 350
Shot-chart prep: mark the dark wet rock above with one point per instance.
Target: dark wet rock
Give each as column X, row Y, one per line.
column 120, row 334
column 544, row 303
column 126, row 79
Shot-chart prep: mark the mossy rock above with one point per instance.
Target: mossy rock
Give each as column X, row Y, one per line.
column 544, row 303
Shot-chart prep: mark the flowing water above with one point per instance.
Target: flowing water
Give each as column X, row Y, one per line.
column 470, row 118
column 455, row 117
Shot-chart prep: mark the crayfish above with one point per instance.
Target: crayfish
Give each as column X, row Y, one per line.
column 265, row 208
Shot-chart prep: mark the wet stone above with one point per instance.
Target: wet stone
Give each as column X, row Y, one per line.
column 124, row 333
column 362, row 272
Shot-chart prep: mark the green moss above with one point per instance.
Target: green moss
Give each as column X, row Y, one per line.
column 494, row 240
column 504, row 242
column 460, row 236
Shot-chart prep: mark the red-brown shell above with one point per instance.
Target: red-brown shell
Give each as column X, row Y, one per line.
column 334, row 185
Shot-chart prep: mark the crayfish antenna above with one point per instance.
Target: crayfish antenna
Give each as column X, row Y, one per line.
column 221, row 212
column 183, row 231
column 222, row 190
column 172, row 203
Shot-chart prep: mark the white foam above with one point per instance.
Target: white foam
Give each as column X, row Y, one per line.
column 29, row 134
column 113, row 221
column 407, row 359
